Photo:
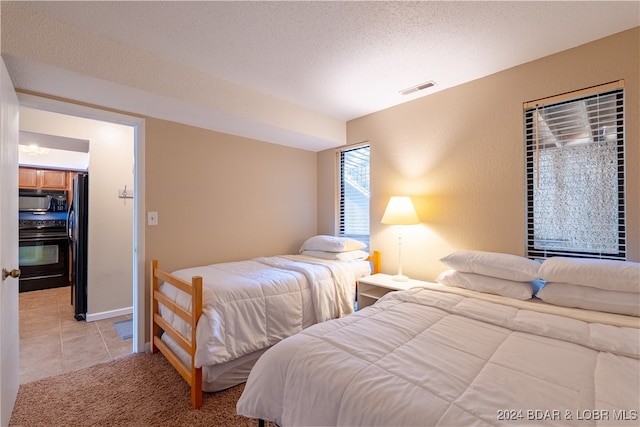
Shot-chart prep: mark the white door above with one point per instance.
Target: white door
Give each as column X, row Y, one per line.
column 9, row 338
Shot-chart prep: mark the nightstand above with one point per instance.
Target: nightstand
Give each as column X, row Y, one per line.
column 372, row 288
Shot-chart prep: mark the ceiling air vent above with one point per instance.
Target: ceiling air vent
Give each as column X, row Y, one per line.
column 421, row 86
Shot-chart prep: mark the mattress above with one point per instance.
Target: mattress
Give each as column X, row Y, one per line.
column 428, row 357
column 250, row 305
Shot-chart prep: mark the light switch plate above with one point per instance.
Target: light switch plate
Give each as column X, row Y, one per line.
column 152, row 218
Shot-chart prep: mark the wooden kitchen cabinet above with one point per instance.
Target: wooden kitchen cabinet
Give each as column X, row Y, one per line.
column 28, row 178
column 52, row 179
column 44, row 178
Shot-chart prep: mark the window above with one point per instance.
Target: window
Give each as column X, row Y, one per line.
column 354, row 193
column 575, row 174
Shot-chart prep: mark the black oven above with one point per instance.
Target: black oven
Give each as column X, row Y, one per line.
column 43, row 251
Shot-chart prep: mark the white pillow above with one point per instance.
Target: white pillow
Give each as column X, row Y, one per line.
column 331, row 244
column 486, row 284
column 502, row 266
column 340, row 256
column 590, row 298
column 598, row 273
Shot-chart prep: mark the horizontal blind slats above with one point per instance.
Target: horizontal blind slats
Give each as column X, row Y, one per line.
column 574, row 167
column 354, row 192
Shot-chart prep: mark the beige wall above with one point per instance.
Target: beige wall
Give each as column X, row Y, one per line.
column 221, row 197
column 110, row 239
column 460, row 154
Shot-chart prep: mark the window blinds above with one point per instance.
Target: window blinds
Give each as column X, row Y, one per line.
column 575, row 175
column 354, row 192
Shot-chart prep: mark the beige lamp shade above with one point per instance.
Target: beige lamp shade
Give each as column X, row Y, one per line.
column 400, row 211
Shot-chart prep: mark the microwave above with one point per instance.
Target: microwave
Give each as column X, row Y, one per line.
column 32, row 200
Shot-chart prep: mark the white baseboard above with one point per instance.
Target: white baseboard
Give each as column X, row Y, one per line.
column 109, row 314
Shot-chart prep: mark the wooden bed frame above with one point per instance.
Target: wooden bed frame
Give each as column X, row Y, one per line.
column 191, row 374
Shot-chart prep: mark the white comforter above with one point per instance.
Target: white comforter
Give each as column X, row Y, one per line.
column 428, row 358
column 250, row 305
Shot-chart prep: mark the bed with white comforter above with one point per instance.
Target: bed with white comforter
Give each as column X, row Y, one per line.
column 250, row 305
column 213, row 322
column 443, row 356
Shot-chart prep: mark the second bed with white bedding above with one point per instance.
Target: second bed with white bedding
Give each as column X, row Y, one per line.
column 438, row 357
column 251, row 305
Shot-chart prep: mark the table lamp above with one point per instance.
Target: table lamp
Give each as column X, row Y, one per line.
column 400, row 211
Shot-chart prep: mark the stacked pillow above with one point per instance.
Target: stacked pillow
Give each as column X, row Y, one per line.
column 593, row 284
column 334, row 248
column 508, row 275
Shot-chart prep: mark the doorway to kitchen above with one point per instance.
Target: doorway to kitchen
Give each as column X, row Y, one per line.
column 102, row 320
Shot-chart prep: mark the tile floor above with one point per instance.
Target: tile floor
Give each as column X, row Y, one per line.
column 53, row 342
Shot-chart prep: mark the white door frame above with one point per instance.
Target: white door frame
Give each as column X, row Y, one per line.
column 139, row 269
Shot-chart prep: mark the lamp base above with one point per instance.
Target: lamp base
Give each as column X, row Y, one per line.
column 400, row 278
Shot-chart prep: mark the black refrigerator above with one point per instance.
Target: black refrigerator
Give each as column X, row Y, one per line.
column 77, row 223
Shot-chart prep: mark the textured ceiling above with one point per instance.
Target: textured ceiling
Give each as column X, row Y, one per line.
column 285, row 72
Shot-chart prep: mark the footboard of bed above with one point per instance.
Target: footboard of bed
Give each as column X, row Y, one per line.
column 191, row 374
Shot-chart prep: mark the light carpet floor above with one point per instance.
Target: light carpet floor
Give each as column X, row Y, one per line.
column 136, row 390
